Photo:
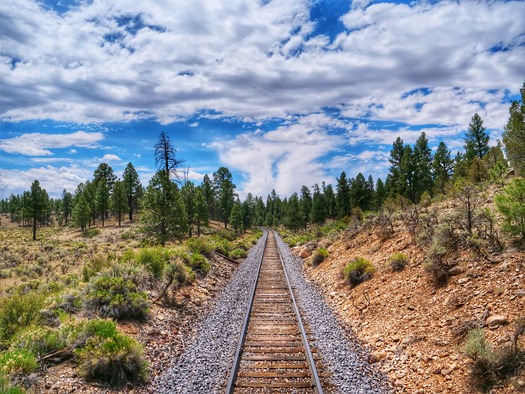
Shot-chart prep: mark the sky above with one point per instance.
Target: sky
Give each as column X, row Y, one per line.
column 283, row 93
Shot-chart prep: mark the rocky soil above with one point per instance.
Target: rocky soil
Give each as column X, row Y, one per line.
column 413, row 329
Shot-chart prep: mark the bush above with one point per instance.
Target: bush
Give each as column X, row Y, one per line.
column 238, row 254
column 227, row 235
column 319, row 256
column 179, row 273
column 153, row 259
column 511, row 203
column 91, row 232
column 199, row 245
column 38, row 340
column 110, row 357
column 436, row 266
column 358, row 270
column 398, row 262
column 115, row 294
column 19, row 311
column 199, row 262
column 18, row 362
column 6, row 388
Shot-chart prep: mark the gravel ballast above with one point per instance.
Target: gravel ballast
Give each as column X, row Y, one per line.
column 205, row 364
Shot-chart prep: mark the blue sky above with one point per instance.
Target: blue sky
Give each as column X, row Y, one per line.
column 282, row 92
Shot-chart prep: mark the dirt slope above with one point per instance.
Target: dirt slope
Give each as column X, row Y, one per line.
column 410, row 326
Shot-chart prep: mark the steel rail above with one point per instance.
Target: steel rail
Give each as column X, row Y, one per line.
column 316, row 384
column 310, row 358
column 237, row 360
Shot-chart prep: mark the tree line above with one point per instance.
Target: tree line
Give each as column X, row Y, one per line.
column 171, row 206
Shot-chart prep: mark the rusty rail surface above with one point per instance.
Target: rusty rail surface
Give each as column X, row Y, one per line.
column 273, row 355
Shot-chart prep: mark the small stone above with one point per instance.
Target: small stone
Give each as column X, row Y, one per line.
column 496, row 321
column 48, row 385
column 463, row 280
column 455, row 271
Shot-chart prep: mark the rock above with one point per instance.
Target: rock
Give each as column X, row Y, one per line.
column 447, row 371
column 496, row 321
column 463, row 280
column 304, row 253
column 519, row 293
column 48, row 385
column 377, row 356
column 455, row 271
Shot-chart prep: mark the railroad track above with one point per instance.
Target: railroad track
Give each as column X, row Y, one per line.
column 273, row 355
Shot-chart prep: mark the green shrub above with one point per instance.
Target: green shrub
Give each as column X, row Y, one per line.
column 153, row 259
column 398, row 262
column 199, row 263
column 358, row 270
column 436, row 266
column 221, row 246
column 18, row 362
column 38, row 340
column 319, row 256
column 511, row 203
column 19, row 311
column 179, row 273
column 91, row 232
column 199, row 245
column 114, row 360
column 115, row 294
column 227, row 235
column 238, row 254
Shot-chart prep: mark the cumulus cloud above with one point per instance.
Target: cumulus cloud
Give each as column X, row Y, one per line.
column 38, row 144
column 110, row 157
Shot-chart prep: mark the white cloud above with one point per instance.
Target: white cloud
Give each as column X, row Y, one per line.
column 110, row 157
column 37, row 144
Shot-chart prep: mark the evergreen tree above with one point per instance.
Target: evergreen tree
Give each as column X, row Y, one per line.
column 102, row 197
column 67, row 205
column 209, row 195
column 81, row 212
column 90, row 194
column 293, row 218
column 305, row 203
column 460, row 167
column 236, row 217
column 442, row 166
column 380, row 194
column 330, row 201
column 478, row 172
column 476, row 140
column 201, row 210
column 247, row 211
column 396, row 179
column 164, row 212
column 260, row 212
column 38, row 204
column 318, row 213
column 119, row 200
column 133, row 188
column 511, row 203
column 344, row 207
column 188, row 195
column 423, row 167
column 360, row 193
column 225, row 189
column 514, row 135
column 104, row 171
column 408, row 174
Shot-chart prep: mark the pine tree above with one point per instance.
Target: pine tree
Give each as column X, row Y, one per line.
column 380, row 194
column 236, row 216
column 408, row 176
column 330, row 201
column 67, row 205
column 102, row 198
column 201, row 210
column 344, row 207
column 442, row 166
column 38, row 203
column 225, row 190
column 318, row 213
column 423, row 167
column 511, row 203
column 118, row 202
column 133, row 188
column 166, row 156
column 476, row 140
column 188, row 195
column 396, row 179
column 514, row 135
column 305, row 203
column 81, row 212
column 293, row 219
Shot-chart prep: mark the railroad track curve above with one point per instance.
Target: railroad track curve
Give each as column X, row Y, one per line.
column 273, row 354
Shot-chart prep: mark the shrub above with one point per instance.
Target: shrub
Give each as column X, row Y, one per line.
column 436, row 266
column 238, row 254
column 221, row 246
column 7, row 388
column 511, row 203
column 319, row 256
column 38, row 340
column 227, row 235
column 153, row 259
column 358, row 270
column 19, row 311
column 110, row 357
column 199, row 245
column 199, row 262
column 115, row 294
column 398, row 262
column 91, row 232
column 18, row 362
column 179, row 273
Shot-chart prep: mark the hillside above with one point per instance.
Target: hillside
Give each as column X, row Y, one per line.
column 413, row 328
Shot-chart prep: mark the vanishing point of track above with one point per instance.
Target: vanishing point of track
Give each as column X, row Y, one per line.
column 273, row 355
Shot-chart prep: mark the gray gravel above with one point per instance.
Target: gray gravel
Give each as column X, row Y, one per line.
column 205, row 364
column 341, row 352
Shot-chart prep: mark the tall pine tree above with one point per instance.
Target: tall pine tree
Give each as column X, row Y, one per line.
column 514, row 135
